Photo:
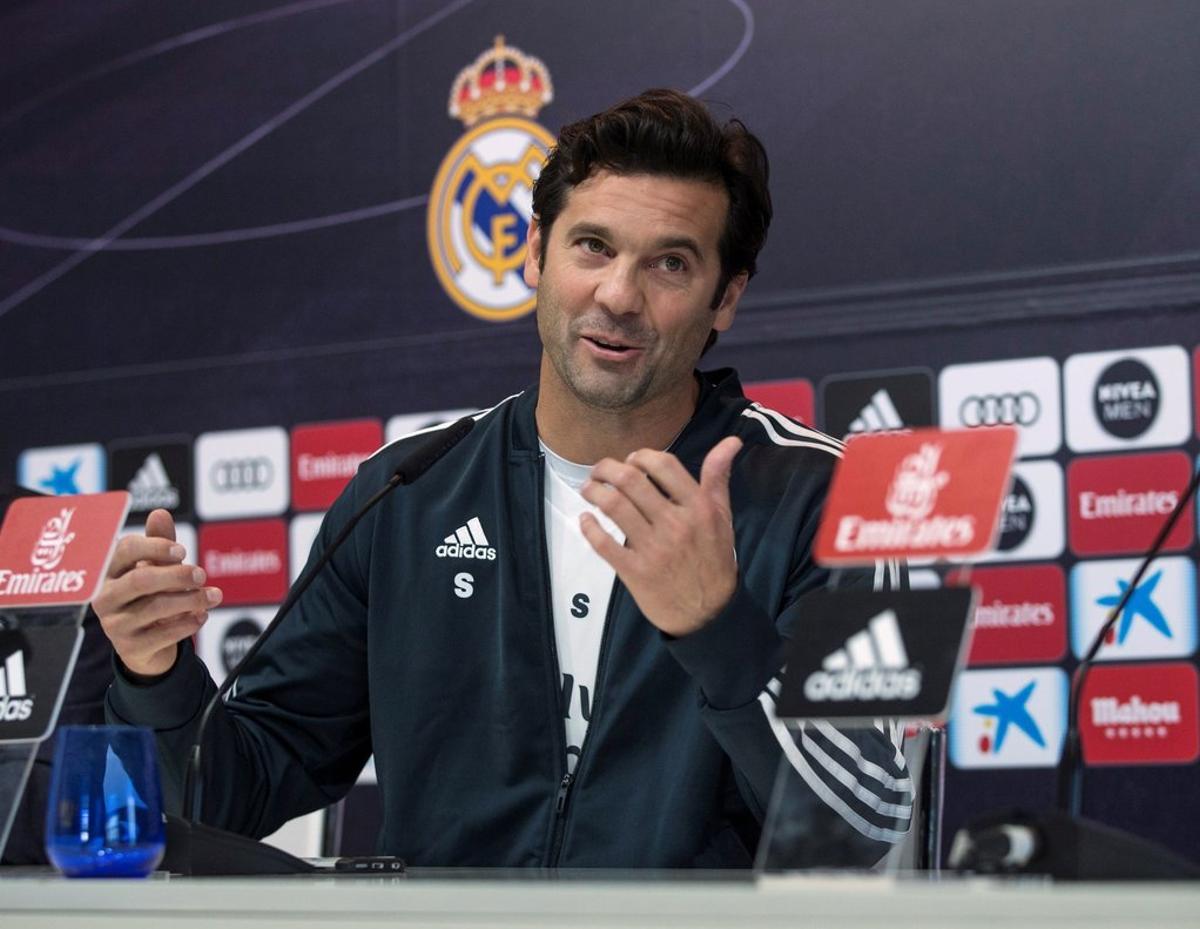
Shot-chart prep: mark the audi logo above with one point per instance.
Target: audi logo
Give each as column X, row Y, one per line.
column 236, row 474
column 1021, row 409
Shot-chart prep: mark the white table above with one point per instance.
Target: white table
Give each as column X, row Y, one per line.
column 567, row 903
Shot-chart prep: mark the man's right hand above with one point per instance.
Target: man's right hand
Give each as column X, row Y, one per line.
column 151, row 600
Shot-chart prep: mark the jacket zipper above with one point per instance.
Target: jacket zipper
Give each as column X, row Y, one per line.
column 564, row 784
column 568, row 780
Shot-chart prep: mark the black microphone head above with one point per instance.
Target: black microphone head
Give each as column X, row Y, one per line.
column 428, row 453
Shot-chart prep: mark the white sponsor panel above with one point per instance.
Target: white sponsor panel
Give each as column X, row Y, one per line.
column 63, row 469
column 1032, row 518
column 1012, row 718
column 1021, row 392
column 399, row 426
column 223, row 640
column 301, row 534
column 1158, row 622
column 243, row 472
column 185, row 535
column 1140, row 398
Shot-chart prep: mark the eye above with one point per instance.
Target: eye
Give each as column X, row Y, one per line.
column 673, row 263
column 593, row 245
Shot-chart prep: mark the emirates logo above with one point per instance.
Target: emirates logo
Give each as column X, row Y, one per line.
column 52, row 545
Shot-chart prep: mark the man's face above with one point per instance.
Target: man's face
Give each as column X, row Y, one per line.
column 625, row 284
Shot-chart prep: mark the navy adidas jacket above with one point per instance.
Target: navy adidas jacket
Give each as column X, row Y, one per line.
column 459, row 697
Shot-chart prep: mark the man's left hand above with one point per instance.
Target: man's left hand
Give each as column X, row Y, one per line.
column 678, row 560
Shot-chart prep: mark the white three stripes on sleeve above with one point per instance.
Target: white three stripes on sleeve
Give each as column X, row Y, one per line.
column 876, row 801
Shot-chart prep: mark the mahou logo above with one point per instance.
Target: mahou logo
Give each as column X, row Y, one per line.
column 923, row 493
column 1140, row 714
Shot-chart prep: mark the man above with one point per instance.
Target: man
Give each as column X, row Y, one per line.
column 563, row 645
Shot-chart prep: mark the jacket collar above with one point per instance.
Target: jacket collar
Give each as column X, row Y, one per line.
column 720, row 402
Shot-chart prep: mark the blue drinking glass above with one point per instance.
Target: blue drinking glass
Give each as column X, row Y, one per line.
column 105, row 812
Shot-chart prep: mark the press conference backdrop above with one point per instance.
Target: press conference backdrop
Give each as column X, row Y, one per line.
column 242, row 243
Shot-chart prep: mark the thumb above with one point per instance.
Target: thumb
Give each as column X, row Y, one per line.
column 718, row 463
column 160, row 525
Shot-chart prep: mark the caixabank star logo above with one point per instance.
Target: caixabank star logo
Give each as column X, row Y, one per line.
column 481, row 202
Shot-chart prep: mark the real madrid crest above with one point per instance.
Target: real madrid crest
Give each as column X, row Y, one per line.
column 482, row 197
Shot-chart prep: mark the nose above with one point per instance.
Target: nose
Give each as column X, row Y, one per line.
column 619, row 288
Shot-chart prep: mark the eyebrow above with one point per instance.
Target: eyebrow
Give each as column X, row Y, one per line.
column 683, row 242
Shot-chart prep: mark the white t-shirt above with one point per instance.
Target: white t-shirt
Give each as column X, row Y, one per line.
column 581, row 584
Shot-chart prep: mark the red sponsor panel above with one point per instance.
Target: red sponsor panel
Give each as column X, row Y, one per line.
column 326, row 455
column 1118, row 503
column 792, row 398
column 1141, row 714
column 54, row 550
column 1020, row 617
column 929, row 493
column 247, row 560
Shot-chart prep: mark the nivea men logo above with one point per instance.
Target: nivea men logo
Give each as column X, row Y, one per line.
column 873, row 665
column 1004, row 409
column 467, row 541
column 1017, row 516
column 15, row 703
column 238, row 638
column 234, row 475
column 1127, row 398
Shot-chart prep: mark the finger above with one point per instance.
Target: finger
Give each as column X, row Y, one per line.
column 134, row 549
column 666, row 471
column 169, row 631
column 717, row 466
column 604, row 544
column 151, row 610
column 633, row 483
column 160, row 525
column 616, row 505
column 146, row 581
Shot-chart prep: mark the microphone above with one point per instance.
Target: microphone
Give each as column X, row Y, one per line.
column 412, row 467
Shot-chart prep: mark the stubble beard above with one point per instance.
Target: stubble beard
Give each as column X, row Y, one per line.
column 611, row 391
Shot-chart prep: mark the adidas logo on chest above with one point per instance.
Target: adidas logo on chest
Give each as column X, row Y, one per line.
column 467, row 541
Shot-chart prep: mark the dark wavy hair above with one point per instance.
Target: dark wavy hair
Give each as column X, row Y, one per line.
column 669, row 133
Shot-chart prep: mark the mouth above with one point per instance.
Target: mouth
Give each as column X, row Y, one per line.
column 610, row 347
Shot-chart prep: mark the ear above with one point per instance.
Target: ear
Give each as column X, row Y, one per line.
column 727, row 308
column 533, row 253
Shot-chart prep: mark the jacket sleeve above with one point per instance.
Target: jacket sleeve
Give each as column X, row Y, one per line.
column 844, row 792
column 295, row 733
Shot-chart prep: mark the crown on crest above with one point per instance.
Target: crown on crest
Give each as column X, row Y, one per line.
column 501, row 80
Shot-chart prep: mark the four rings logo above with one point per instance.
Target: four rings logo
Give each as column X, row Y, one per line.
column 1008, row 409
column 232, row 475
